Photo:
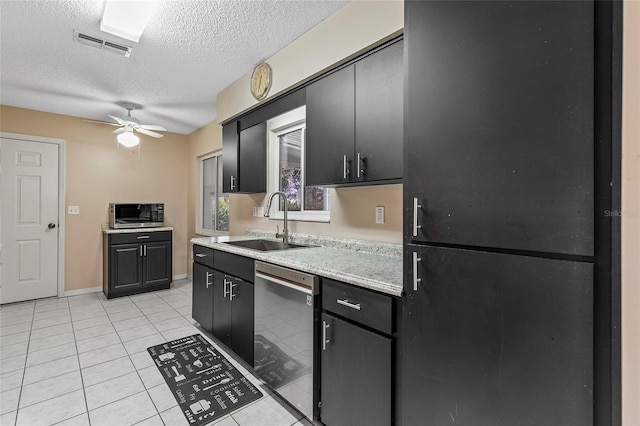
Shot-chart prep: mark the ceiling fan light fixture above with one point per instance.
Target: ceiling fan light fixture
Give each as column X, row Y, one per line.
column 128, row 139
column 127, row 19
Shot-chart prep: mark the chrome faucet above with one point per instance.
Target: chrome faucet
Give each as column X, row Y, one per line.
column 285, row 232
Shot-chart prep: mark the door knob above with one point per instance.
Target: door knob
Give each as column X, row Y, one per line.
column 52, row 225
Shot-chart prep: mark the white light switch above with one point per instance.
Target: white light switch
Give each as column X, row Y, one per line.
column 380, row 214
column 260, row 211
column 255, row 211
column 73, row 209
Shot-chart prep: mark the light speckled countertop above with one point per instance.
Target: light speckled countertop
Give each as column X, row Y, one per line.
column 380, row 272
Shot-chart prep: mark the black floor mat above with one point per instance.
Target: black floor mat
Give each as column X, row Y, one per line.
column 204, row 382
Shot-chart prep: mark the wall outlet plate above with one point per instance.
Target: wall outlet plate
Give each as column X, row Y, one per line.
column 260, row 211
column 380, row 214
column 255, row 211
column 73, row 209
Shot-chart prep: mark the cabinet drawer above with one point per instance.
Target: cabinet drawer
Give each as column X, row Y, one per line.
column 363, row 306
column 203, row 255
column 238, row 266
column 139, row 237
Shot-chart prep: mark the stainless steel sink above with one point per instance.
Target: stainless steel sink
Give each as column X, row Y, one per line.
column 265, row 245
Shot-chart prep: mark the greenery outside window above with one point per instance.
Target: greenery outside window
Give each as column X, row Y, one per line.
column 286, row 156
column 214, row 211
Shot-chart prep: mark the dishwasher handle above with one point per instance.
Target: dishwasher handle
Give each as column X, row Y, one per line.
column 279, row 281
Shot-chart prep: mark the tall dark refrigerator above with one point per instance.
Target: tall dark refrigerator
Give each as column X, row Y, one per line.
column 504, row 173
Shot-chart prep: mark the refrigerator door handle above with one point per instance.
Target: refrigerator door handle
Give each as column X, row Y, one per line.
column 416, row 206
column 416, row 279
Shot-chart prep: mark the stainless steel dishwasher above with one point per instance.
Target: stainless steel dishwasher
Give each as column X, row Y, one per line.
column 286, row 314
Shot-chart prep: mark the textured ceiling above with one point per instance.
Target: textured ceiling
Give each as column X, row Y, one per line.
column 190, row 51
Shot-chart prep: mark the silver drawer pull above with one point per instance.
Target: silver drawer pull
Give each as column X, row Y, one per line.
column 200, row 255
column 143, row 237
column 209, row 275
column 325, row 326
column 348, row 304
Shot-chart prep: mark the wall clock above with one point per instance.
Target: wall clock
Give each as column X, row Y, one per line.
column 261, row 80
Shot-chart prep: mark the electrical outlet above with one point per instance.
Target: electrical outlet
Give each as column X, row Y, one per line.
column 260, row 211
column 380, row 214
column 73, row 209
column 255, row 211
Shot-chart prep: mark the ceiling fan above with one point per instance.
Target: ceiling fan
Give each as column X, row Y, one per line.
column 129, row 125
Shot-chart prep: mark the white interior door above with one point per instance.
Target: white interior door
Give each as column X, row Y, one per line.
column 29, row 220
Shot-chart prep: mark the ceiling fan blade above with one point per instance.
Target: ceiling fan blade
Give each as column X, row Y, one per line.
column 120, row 130
column 152, row 127
column 149, row 133
column 117, row 119
column 101, row 122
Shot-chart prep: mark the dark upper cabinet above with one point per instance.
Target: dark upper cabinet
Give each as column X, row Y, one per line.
column 379, row 118
column 355, row 124
column 244, row 158
column 330, row 128
column 494, row 339
column 500, row 125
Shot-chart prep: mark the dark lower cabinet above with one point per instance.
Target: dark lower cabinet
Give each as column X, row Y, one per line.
column 356, row 383
column 233, row 302
column 496, row 339
column 202, row 306
column 136, row 262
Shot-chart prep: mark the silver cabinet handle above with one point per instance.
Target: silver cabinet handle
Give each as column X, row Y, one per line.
column 141, row 250
column 416, row 279
column 233, row 182
column 145, row 250
column 231, row 286
column 344, row 166
column 325, row 326
column 200, row 255
column 209, row 275
column 225, row 289
column 143, row 237
column 348, row 304
column 416, row 206
column 360, row 161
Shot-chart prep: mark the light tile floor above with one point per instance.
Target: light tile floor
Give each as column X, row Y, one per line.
column 82, row 360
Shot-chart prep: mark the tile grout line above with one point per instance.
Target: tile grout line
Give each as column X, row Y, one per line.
column 84, row 393
column 24, row 370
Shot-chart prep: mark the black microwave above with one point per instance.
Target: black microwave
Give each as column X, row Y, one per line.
column 143, row 215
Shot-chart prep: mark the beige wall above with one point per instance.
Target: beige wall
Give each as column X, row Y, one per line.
column 205, row 140
column 97, row 173
column 631, row 215
column 350, row 31
column 352, row 214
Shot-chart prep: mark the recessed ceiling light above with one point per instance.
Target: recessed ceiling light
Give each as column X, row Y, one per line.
column 127, row 18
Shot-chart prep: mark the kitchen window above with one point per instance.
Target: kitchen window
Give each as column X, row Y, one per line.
column 286, row 156
column 214, row 203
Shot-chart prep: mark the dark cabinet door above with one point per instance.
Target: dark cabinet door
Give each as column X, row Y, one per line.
column 244, row 158
column 125, row 264
column 379, row 119
column 242, row 300
column 230, row 156
column 330, row 128
column 494, row 339
column 202, row 306
column 500, row 124
column 221, row 308
column 355, row 375
column 157, row 263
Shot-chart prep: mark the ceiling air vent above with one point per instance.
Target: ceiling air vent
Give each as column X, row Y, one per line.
column 102, row 44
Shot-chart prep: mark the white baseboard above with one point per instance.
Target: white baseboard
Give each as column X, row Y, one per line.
column 190, row 277
column 82, row 291
column 180, row 277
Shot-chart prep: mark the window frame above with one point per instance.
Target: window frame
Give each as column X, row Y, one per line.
column 286, row 123
column 199, row 196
